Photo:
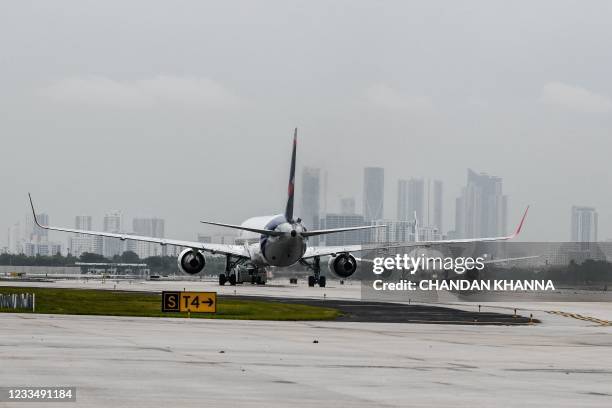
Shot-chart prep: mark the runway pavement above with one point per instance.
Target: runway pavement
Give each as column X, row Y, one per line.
column 385, row 312
column 351, row 290
column 150, row 362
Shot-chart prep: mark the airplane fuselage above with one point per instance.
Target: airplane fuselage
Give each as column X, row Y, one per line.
column 284, row 250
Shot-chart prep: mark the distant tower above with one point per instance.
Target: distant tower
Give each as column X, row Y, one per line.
column 80, row 243
column 422, row 196
column 345, row 221
column 83, row 222
column 311, row 197
column 373, row 193
column 347, row 206
column 482, row 207
column 32, row 232
column 112, row 223
column 150, row 227
column 15, row 239
column 583, row 224
column 325, row 195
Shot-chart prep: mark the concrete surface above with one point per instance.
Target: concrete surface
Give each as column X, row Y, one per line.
column 386, row 312
column 149, row 362
column 350, row 290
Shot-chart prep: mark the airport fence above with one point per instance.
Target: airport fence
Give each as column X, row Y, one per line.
column 18, row 301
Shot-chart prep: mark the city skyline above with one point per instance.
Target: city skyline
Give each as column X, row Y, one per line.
column 423, row 190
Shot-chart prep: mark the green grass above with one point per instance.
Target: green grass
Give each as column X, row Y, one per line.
column 112, row 303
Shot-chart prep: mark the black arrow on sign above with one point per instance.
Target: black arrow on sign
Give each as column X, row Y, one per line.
column 210, row 302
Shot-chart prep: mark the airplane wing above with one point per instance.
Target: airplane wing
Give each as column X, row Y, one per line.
column 236, row 250
column 335, row 230
column 333, row 250
column 311, row 252
column 504, row 260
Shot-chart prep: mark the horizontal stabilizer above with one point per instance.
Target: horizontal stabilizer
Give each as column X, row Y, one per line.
column 239, row 227
column 334, row 230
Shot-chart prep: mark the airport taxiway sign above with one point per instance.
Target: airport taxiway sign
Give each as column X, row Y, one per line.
column 195, row 302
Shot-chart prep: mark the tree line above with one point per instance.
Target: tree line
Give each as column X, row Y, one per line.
column 157, row 264
column 587, row 272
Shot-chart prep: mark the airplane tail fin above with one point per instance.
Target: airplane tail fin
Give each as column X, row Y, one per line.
column 289, row 208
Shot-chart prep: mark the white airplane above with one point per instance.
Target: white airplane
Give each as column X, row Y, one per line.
column 283, row 241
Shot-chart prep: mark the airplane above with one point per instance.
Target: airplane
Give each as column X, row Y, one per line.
column 283, row 241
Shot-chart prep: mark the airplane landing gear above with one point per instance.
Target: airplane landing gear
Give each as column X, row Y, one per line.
column 313, row 280
column 229, row 275
column 240, row 270
column 223, row 279
column 316, row 277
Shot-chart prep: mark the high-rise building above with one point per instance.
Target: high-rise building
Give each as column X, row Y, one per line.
column 403, row 231
column 41, row 234
column 481, row 210
column 347, row 206
column 150, row 227
column 112, row 246
column 311, row 197
column 35, row 240
column 83, row 222
column 324, row 195
column 410, row 199
column 15, row 239
column 41, row 248
column 373, row 193
column 394, row 231
column 32, row 232
column 113, row 222
column 583, row 224
column 344, row 221
column 29, row 239
column 80, row 243
column 422, row 196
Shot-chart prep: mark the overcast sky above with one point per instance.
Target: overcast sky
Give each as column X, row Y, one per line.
column 185, row 109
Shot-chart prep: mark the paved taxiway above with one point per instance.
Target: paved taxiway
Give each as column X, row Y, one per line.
column 386, row 312
column 351, row 290
column 149, row 362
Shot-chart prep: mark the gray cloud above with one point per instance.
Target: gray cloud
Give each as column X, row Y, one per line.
column 384, row 96
column 186, row 111
column 164, row 91
column 575, row 98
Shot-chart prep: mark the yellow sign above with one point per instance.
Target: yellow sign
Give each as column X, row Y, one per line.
column 196, row 302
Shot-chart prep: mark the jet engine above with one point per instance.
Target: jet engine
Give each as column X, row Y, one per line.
column 191, row 261
column 342, row 265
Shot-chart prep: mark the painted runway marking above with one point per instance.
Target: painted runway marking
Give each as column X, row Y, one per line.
column 601, row 322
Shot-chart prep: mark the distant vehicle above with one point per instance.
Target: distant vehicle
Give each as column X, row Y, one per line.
column 154, row 277
column 283, row 241
column 17, row 274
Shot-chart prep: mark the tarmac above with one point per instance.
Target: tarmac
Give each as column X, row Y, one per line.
column 350, row 290
column 565, row 361
column 149, row 362
column 385, row 312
